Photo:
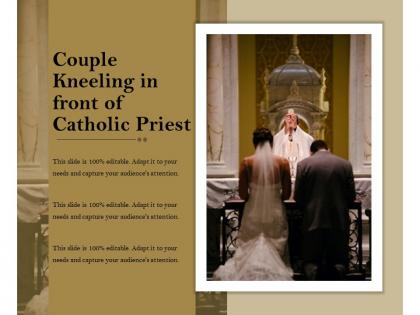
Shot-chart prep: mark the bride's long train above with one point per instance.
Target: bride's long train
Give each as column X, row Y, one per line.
column 255, row 260
column 262, row 240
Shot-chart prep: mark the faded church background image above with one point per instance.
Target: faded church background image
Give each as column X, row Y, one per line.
column 253, row 81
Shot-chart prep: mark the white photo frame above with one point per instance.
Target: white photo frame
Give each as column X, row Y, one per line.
column 374, row 285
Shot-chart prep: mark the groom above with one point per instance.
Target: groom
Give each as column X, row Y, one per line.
column 324, row 190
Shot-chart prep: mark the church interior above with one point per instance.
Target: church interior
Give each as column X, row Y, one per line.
column 253, row 81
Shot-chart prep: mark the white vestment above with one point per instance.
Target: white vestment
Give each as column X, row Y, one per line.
column 299, row 147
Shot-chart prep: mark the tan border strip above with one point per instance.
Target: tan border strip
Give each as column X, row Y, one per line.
column 211, row 11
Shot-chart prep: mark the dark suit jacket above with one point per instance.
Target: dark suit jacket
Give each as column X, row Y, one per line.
column 324, row 190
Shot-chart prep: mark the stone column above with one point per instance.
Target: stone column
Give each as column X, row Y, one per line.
column 367, row 89
column 214, row 98
column 212, row 10
column 360, row 122
column 32, row 136
column 222, row 106
column 360, row 105
column 32, row 124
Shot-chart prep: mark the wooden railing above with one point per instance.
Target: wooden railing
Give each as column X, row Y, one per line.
column 32, row 257
column 223, row 226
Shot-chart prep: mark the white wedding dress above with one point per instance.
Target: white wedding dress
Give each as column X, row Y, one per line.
column 262, row 252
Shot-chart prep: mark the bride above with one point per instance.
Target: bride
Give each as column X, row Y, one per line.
column 264, row 181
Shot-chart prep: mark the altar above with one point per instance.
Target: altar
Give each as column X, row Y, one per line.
column 221, row 189
column 224, row 213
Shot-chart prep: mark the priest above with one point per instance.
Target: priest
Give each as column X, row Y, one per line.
column 291, row 141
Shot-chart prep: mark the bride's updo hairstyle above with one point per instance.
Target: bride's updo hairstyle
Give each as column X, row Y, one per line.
column 261, row 135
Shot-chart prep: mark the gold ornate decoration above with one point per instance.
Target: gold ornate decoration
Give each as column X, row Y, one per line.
column 273, row 51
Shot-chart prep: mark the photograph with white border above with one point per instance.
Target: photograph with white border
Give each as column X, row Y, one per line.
column 326, row 78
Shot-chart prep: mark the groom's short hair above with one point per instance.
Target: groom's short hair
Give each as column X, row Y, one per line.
column 318, row 145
